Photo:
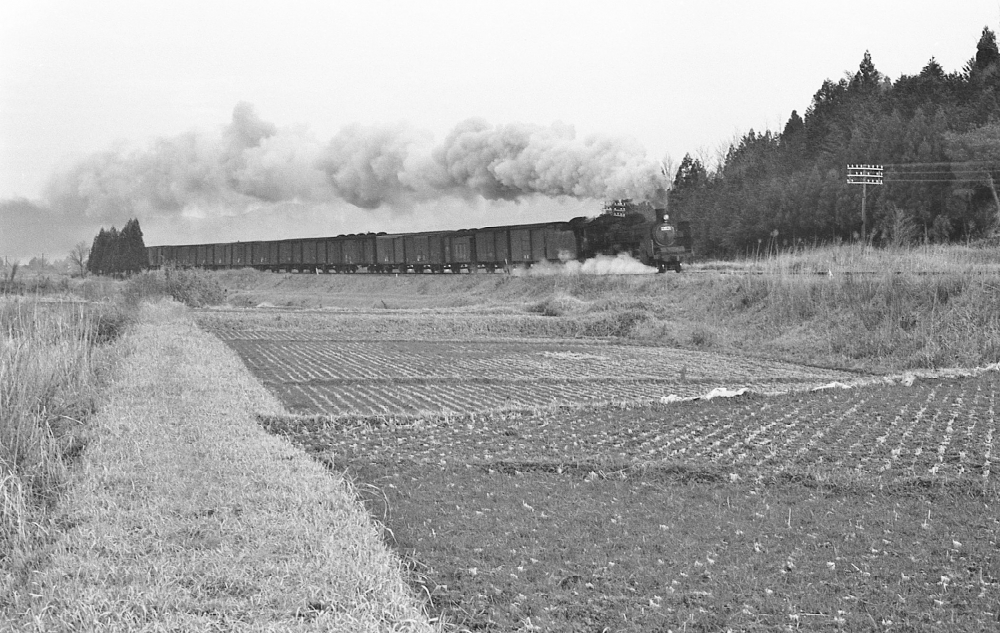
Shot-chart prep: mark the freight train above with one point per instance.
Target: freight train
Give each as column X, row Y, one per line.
column 645, row 233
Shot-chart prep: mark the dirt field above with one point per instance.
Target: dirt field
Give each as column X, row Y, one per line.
column 540, row 483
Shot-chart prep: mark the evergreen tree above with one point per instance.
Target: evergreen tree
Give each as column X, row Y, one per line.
column 987, row 53
column 117, row 252
column 95, row 264
column 133, row 249
column 690, row 175
column 793, row 128
column 932, row 70
column 867, row 79
column 113, row 255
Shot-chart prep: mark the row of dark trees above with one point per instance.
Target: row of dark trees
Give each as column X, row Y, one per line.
column 117, row 252
column 936, row 133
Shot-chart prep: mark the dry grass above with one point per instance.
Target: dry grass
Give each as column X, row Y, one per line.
column 856, row 257
column 51, row 361
column 880, row 322
column 186, row 515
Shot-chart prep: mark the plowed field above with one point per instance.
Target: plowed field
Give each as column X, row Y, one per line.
column 320, row 371
column 541, row 484
column 941, row 428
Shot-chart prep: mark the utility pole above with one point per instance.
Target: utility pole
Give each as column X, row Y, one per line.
column 864, row 175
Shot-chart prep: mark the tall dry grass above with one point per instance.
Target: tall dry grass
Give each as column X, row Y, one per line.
column 49, row 376
column 928, row 306
column 858, row 257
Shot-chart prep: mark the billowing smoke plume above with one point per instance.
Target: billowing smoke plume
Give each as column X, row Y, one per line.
column 255, row 165
column 368, row 167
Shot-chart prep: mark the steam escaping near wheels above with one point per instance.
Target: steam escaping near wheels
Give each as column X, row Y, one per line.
column 621, row 264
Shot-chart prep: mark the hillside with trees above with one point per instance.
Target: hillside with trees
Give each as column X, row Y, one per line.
column 936, row 133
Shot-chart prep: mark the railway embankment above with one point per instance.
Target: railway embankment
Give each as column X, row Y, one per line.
column 184, row 514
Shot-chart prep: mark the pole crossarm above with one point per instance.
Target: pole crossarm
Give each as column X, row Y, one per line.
column 864, row 174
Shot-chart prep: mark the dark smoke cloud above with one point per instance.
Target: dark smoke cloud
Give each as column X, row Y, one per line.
column 254, row 164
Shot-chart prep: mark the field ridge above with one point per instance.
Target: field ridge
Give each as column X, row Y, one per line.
column 186, row 515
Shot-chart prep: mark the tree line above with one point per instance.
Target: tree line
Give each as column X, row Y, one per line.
column 117, row 252
column 936, row 133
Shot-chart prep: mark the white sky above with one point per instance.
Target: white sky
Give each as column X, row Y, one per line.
column 677, row 76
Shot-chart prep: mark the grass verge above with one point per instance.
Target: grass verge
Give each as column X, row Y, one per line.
column 53, row 363
column 185, row 515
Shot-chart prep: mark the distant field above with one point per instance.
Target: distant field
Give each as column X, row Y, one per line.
column 317, row 370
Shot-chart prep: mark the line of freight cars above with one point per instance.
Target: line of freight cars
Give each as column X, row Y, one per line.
column 662, row 244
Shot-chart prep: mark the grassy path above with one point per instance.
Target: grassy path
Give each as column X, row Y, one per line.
column 185, row 515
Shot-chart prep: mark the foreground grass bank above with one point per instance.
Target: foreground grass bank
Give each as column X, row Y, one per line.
column 184, row 515
column 54, row 358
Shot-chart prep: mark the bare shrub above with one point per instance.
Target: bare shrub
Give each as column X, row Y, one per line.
column 195, row 288
column 618, row 324
column 558, row 305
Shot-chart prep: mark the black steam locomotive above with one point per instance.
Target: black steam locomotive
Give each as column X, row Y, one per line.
column 639, row 230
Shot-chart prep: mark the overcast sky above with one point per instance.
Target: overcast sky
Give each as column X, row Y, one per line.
column 663, row 77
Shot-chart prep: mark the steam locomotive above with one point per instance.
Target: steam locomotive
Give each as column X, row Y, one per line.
column 645, row 233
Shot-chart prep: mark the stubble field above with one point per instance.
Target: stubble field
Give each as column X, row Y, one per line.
column 542, row 483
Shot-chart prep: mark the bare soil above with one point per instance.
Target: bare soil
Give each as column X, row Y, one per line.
column 540, row 484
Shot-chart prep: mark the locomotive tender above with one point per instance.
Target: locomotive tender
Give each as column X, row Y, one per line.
column 645, row 233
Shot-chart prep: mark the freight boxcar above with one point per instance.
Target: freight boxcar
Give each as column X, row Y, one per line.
column 222, row 256
column 493, row 248
column 354, row 253
column 459, row 251
column 309, row 261
column 386, row 256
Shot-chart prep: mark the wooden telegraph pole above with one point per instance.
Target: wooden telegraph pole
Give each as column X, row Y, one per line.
column 864, row 175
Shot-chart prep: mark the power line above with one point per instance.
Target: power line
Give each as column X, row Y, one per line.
column 943, row 164
column 939, row 172
column 935, row 172
column 899, row 180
